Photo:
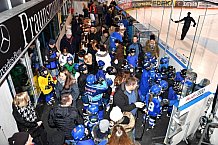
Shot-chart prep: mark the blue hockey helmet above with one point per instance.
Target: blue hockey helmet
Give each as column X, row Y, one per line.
column 91, row 79
column 111, row 70
column 132, row 50
column 146, row 65
column 148, row 55
column 101, row 63
column 155, row 89
column 164, row 84
column 158, row 77
column 93, row 109
column 69, row 58
column 78, row 133
column 76, row 66
column 109, row 81
column 164, row 60
column 183, row 72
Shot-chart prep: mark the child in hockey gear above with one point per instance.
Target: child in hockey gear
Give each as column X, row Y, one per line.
column 164, row 93
column 180, row 76
column 81, row 136
column 156, row 91
column 132, row 59
column 147, row 56
column 100, row 73
column 92, row 119
column 164, row 62
column 152, row 75
column 94, row 92
column 172, row 97
column 64, row 56
column 153, row 109
column 70, row 66
column 144, row 84
column 46, row 84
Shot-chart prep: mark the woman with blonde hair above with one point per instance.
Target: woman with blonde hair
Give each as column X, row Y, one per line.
column 119, row 137
column 27, row 119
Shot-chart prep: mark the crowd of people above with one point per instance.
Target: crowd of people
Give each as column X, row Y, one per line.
column 98, row 82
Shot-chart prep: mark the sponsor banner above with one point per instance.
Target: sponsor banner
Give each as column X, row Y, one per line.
column 154, row 3
column 203, row 5
column 193, row 96
column 18, row 32
column 190, row 4
column 125, row 6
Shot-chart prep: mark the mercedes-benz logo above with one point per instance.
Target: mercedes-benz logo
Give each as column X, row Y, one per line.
column 4, row 39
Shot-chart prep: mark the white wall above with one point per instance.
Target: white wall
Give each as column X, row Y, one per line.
column 7, row 121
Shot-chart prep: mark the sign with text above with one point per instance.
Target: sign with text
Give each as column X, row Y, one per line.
column 21, row 29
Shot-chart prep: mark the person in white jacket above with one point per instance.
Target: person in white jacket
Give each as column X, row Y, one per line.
column 103, row 55
column 63, row 57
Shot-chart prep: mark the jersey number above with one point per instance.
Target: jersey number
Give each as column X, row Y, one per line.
column 151, row 106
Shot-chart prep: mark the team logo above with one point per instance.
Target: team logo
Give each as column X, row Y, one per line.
column 4, row 39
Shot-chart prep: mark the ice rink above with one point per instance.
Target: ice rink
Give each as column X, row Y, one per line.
column 203, row 38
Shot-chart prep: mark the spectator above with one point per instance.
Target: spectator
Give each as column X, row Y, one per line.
column 51, row 58
column 85, row 11
column 27, row 119
column 82, row 78
column 21, row 138
column 65, row 117
column 103, row 55
column 66, row 84
column 91, row 63
column 70, row 42
column 93, row 35
column 119, row 137
column 125, row 119
column 63, row 56
column 152, row 46
column 115, row 36
column 105, row 39
column 100, row 13
column 126, row 96
column 137, row 46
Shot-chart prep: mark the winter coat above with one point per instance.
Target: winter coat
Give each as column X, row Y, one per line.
column 45, row 84
column 154, row 51
column 105, row 41
column 82, row 83
column 64, row 119
column 63, row 58
column 71, row 44
column 99, row 9
column 51, row 59
column 128, row 127
column 121, row 99
column 104, row 56
column 73, row 90
column 22, row 124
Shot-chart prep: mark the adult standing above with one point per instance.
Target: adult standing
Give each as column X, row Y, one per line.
column 65, row 117
column 66, row 84
column 126, row 96
column 187, row 23
column 27, row 119
column 152, row 46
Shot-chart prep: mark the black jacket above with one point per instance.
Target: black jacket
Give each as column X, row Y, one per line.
column 121, row 100
column 22, row 124
column 64, row 119
column 82, row 83
column 71, row 44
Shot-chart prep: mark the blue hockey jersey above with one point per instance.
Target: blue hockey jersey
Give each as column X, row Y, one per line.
column 113, row 37
column 132, row 60
column 179, row 77
column 95, row 91
column 154, row 107
column 144, row 86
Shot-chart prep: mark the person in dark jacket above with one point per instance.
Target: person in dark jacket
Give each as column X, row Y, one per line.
column 82, row 78
column 65, row 117
column 66, row 84
column 51, row 58
column 126, row 96
column 27, row 120
column 99, row 12
column 187, row 22
column 70, row 42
